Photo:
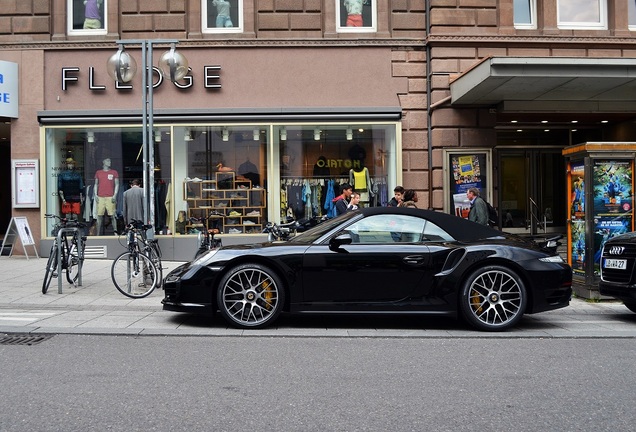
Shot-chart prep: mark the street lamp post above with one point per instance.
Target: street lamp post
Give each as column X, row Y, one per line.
column 122, row 68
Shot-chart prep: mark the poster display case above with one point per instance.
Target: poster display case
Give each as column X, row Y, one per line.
column 601, row 206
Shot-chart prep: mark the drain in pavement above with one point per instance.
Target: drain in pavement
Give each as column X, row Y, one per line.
column 23, row 339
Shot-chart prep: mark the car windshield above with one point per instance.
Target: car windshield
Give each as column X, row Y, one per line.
column 319, row 230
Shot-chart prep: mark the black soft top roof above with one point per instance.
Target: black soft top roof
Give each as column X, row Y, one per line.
column 461, row 229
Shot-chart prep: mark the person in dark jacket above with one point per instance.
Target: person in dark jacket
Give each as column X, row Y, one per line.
column 409, row 199
column 398, row 193
column 478, row 208
column 341, row 202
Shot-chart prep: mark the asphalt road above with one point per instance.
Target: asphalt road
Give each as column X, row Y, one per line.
column 168, row 383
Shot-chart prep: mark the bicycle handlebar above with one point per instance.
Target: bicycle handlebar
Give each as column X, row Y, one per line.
column 65, row 222
column 138, row 225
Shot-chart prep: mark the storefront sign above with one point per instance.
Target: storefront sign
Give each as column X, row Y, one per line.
column 8, row 89
column 211, row 79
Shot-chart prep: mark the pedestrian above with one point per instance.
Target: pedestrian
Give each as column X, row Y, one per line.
column 398, row 193
column 478, row 208
column 341, row 202
column 354, row 203
column 409, row 199
column 134, row 202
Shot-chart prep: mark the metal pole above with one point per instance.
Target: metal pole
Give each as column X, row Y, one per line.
column 144, row 122
column 151, row 143
column 148, row 122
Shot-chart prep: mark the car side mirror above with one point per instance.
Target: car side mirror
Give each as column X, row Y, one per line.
column 340, row 240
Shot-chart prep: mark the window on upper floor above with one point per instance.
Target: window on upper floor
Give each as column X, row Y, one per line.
column 582, row 14
column 87, row 17
column 632, row 14
column 525, row 13
column 222, row 16
column 356, row 16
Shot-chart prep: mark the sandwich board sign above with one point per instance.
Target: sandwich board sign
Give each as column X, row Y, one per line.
column 19, row 227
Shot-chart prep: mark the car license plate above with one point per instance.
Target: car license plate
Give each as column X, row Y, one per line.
column 611, row 263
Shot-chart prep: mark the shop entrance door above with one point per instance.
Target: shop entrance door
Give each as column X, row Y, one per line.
column 532, row 190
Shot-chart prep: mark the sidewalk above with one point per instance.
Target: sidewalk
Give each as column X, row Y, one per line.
column 97, row 307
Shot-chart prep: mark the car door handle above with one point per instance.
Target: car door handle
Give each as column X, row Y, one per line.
column 414, row 259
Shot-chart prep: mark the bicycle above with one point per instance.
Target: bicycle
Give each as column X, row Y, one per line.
column 71, row 251
column 138, row 271
column 205, row 238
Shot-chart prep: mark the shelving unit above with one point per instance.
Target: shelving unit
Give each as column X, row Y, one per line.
column 240, row 207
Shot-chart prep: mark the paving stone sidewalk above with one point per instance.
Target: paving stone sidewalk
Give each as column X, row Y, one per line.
column 97, row 307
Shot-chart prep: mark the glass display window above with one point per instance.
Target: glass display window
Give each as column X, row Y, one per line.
column 87, row 17
column 222, row 16
column 356, row 16
column 89, row 169
column 232, row 177
column 223, row 170
column 315, row 161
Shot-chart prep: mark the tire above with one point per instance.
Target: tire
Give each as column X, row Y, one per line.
column 493, row 298
column 72, row 264
column 134, row 275
column 155, row 256
column 631, row 305
column 250, row 296
column 51, row 268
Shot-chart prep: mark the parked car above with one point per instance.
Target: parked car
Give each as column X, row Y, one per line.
column 378, row 260
column 617, row 269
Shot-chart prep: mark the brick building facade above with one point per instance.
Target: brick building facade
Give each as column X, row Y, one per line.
column 422, row 62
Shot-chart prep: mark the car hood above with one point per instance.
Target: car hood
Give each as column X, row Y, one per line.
column 623, row 238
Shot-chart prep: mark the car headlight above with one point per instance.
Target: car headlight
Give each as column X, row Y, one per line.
column 552, row 259
column 204, row 257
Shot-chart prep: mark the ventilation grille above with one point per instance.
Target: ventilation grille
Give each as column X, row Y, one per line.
column 23, row 339
column 99, row 251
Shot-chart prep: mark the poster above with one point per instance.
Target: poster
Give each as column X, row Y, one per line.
column 612, row 187
column 466, row 171
column 613, row 202
column 25, row 184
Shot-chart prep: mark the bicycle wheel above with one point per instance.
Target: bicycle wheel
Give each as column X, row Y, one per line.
column 51, row 268
column 134, row 274
column 155, row 255
column 72, row 264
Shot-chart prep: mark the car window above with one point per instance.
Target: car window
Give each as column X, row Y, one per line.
column 389, row 228
column 434, row 233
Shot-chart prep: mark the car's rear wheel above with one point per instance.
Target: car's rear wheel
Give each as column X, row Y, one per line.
column 493, row 298
column 631, row 305
column 250, row 296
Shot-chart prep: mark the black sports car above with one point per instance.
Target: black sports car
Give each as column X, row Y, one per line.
column 618, row 261
column 377, row 260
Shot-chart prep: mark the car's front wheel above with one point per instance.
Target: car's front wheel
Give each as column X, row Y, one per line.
column 631, row 305
column 250, row 296
column 493, row 298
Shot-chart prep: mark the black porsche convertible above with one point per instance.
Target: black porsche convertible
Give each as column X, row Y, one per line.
column 377, row 260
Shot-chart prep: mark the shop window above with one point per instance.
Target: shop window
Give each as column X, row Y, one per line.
column 631, row 6
column 356, row 16
column 76, row 157
column 222, row 175
column 582, row 14
column 315, row 161
column 525, row 12
column 87, row 17
column 222, row 16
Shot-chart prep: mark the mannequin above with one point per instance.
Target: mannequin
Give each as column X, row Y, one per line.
column 361, row 182
column 134, row 202
column 70, row 188
column 106, row 188
column 222, row 13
